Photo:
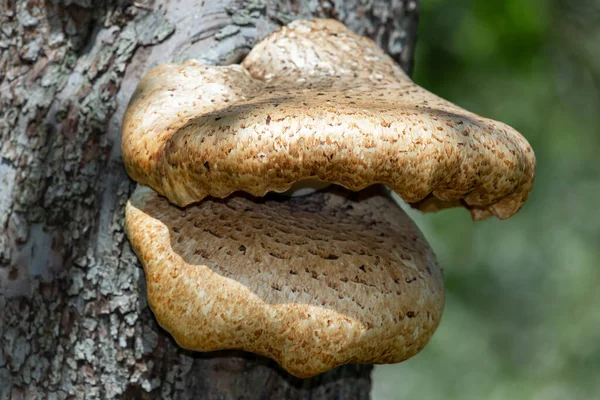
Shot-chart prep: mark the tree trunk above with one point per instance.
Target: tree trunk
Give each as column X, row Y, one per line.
column 74, row 321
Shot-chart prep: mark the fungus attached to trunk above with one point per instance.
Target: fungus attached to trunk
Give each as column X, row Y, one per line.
column 336, row 276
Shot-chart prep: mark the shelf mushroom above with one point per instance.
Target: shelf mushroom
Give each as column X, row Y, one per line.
column 336, row 276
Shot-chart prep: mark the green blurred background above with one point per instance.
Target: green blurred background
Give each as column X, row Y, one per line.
column 522, row 318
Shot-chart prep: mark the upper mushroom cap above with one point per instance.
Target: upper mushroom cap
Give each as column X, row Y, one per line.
column 314, row 100
column 312, row 282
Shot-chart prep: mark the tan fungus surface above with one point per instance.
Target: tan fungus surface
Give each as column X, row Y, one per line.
column 314, row 100
column 313, row 282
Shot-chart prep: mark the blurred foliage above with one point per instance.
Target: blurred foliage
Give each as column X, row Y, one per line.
column 522, row 318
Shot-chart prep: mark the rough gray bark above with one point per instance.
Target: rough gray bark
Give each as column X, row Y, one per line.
column 73, row 318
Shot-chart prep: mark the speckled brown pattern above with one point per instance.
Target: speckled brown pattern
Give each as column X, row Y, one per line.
column 313, row 100
column 313, row 282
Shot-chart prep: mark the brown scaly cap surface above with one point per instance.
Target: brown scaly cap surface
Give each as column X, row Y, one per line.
column 312, row 282
column 314, row 100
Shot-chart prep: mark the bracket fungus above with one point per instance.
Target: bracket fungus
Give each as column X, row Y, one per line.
column 339, row 275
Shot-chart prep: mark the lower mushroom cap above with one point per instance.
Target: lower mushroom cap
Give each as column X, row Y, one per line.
column 313, row 282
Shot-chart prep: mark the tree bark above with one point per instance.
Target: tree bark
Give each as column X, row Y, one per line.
column 74, row 322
